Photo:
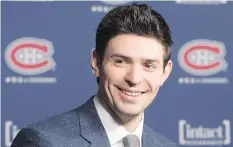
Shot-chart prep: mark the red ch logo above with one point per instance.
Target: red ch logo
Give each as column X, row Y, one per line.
column 30, row 56
column 202, row 57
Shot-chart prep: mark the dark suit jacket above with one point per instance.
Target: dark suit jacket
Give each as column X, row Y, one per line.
column 80, row 127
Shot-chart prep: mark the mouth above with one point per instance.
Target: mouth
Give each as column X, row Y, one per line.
column 132, row 93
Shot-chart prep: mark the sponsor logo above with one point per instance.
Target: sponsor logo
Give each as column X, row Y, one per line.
column 189, row 135
column 107, row 5
column 118, row 2
column 203, row 58
column 11, row 131
column 201, row 2
column 29, row 57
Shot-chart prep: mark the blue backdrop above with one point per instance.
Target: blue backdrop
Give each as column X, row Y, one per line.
column 45, row 56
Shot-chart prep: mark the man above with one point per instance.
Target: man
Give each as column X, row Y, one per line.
column 131, row 61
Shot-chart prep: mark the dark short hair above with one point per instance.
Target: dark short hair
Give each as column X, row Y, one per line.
column 138, row 19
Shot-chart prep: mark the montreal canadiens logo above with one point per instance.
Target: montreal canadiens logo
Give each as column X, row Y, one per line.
column 30, row 56
column 202, row 57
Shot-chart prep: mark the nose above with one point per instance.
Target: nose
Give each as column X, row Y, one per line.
column 134, row 75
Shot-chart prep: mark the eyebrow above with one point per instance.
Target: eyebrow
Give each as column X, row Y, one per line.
column 152, row 60
column 121, row 56
column 129, row 58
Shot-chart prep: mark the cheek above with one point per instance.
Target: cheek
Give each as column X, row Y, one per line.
column 154, row 81
column 114, row 74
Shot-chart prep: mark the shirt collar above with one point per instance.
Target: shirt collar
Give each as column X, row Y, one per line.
column 115, row 132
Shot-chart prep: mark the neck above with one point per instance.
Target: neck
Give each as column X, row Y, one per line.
column 129, row 122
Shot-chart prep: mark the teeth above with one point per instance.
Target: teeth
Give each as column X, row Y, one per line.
column 131, row 93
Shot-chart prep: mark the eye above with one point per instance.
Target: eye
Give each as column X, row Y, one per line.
column 120, row 62
column 150, row 66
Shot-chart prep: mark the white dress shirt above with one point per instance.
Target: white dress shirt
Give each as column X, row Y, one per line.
column 115, row 132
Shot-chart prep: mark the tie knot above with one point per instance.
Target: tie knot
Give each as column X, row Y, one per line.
column 131, row 140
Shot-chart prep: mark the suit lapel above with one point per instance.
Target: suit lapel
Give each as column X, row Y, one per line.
column 154, row 139
column 147, row 139
column 91, row 126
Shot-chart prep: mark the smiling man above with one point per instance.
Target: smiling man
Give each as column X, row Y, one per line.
column 131, row 61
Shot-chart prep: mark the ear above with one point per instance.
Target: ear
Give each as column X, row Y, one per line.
column 166, row 72
column 95, row 63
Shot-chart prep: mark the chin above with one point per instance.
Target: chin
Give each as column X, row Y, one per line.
column 131, row 112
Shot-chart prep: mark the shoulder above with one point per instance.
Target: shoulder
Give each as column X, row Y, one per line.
column 158, row 138
column 60, row 130
column 49, row 131
column 58, row 121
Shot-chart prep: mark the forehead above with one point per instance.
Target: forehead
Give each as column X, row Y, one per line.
column 134, row 46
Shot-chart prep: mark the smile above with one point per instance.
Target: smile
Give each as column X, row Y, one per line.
column 131, row 93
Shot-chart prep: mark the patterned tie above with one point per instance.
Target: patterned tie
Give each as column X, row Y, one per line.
column 131, row 141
